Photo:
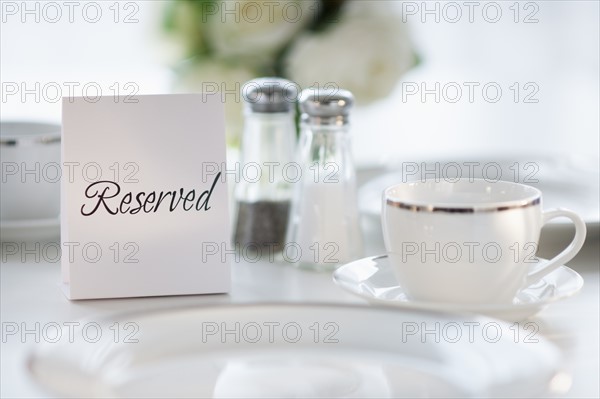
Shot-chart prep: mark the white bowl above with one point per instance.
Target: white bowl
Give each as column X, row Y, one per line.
column 31, row 171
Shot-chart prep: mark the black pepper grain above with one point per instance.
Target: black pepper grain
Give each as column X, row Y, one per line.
column 262, row 224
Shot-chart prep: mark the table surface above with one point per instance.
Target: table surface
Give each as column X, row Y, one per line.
column 30, row 294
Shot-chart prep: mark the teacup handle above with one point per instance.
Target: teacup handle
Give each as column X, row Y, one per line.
column 568, row 253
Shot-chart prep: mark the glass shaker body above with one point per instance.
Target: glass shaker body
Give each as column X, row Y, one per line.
column 324, row 223
column 262, row 194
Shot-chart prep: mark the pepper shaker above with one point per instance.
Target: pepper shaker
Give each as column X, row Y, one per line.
column 262, row 194
column 324, row 222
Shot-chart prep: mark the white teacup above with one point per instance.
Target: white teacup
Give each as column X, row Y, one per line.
column 469, row 241
column 30, row 171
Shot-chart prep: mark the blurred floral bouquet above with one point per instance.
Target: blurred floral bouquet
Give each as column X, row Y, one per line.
column 358, row 45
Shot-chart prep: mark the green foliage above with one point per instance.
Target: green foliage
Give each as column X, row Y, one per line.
column 185, row 19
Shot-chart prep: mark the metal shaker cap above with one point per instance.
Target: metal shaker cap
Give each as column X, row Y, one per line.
column 268, row 95
column 326, row 106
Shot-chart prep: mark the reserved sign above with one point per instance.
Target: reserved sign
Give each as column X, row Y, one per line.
column 102, row 193
column 135, row 220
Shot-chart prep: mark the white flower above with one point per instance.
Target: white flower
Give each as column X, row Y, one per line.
column 256, row 28
column 365, row 51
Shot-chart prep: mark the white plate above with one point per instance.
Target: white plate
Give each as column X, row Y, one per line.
column 30, row 229
column 565, row 183
column 373, row 279
column 295, row 351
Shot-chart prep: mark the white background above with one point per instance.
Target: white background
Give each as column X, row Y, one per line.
column 559, row 54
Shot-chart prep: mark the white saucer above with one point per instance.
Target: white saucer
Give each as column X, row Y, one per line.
column 29, row 229
column 373, row 279
column 326, row 351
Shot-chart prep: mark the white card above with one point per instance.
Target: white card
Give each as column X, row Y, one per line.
column 138, row 203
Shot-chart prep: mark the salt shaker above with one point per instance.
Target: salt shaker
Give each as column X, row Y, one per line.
column 324, row 225
column 262, row 194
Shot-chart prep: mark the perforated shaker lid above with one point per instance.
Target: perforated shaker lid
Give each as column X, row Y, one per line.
column 270, row 94
column 326, row 106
